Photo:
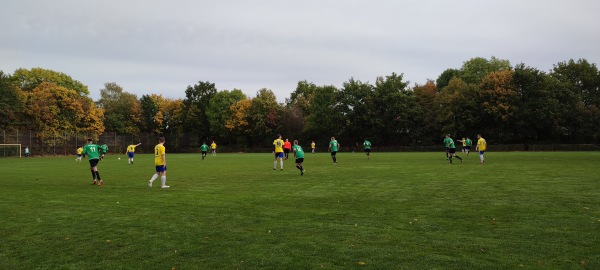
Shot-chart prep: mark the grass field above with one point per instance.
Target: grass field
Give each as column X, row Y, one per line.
column 233, row 211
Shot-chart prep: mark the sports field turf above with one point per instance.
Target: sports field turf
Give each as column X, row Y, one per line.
column 233, row 211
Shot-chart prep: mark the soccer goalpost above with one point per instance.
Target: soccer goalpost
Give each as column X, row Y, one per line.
column 10, row 150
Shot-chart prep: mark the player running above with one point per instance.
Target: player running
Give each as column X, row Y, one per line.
column 204, row 149
column 452, row 149
column 79, row 155
column 333, row 148
column 131, row 152
column 93, row 153
column 367, row 145
column 299, row 155
column 213, row 148
column 312, row 146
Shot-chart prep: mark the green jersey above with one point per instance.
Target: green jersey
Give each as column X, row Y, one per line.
column 367, row 144
column 468, row 142
column 103, row 149
column 298, row 150
column 447, row 142
column 334, row 145
column 451, row 143
column 204, row 148
column 92, row 151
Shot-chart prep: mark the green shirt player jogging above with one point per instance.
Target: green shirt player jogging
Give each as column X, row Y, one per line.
column 299, row 154
column 93, row 153
column 367, row 145
column 333, row 147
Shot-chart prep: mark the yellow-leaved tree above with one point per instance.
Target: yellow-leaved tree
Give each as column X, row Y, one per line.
column 55, row 111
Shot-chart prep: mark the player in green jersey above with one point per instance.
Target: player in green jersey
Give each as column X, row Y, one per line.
column 447, row 145
column 333, row 148
column 204, row 149
column 299, row 155
column 468, row 142
column 367, row 145
column 452, row 149
column 93, row 153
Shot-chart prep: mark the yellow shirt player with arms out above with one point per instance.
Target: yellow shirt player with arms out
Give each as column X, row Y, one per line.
column 131, row 152
column 481, row 147
column 160, row 162
column 79, row 155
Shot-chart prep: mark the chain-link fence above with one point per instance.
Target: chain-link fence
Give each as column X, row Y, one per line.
column 68, row 142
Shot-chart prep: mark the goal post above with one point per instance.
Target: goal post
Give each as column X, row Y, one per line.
column 10, row 150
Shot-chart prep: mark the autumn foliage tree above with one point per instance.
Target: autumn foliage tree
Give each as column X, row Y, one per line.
column 54, row 110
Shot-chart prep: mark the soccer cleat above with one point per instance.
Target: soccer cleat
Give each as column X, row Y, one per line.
column 165, row 186
column 93, row 183
column 100, row 183
column 149, row 183
column 302, row 172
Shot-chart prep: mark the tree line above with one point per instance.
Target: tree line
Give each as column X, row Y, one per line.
column 507, row 104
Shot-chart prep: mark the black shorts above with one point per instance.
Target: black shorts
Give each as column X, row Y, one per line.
column 204, row 153
column 367, row 150
column 285, row 150
column 452, row 150
column 468, row 147
column 299, row 160
column 333, row 153
column 94, row 162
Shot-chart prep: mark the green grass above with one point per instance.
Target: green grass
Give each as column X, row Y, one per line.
column 232, row 211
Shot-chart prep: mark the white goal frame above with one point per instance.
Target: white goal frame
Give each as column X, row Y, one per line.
column 12, row 144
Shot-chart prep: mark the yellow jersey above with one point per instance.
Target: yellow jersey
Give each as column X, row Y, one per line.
column 213, row 146
column 159, row 151
column 278, row 145
column 312, row 145
column 79, row 150
column 131, row 148
column 481, row 144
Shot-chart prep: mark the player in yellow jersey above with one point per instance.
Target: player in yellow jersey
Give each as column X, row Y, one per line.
column 131, row 152
column 160, row 162
column 278, row 151
column 79, row 155
column 312, row 146
column 481, row 147
column 213, row 148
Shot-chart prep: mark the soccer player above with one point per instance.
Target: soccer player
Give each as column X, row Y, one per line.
column 452, row 149
column 93, row 153
column 287, row 147
column 213, row 148
column 299, row 155
column 160, row 162
column 312, row 146
column 278, row 151
column 79, row 155
column 447, row 145
column 103, row 150
column 481, row 146
column 131, row 152
column 464, row 145
column 204, row 149
column 469, row 143
column 27, row 153
column 367, row 145
column 333, row 148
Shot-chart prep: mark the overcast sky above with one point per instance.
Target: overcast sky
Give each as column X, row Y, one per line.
column 163, row 46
